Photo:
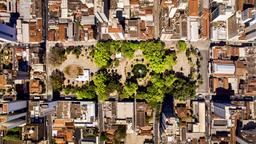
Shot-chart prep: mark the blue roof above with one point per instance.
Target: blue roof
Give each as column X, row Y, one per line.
column 7, row 32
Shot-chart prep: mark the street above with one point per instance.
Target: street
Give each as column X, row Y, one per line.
column 156, row 117
column 203, row 47
column 100, row 117
column 156, row 11
column 208, row 118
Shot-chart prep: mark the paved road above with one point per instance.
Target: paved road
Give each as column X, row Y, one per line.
column 73, row 43
column 208, row 118
column 157, row 17
column 204, row 88
column 203, row 47
column 156, row 116
column 100, row 117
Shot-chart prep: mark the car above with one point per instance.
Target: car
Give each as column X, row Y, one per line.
column 197, row 51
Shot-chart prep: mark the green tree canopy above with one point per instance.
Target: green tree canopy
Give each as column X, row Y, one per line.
column 129, row 90
column 183, row 89
column 101, row 55
column 57, row 55
column 100, row 87
column 127, row 50
column 57, row 79
column 86, row 92
column 182, row 46
column 169, row 80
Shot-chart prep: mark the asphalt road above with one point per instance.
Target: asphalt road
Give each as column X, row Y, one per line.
column 156, row 17
column 203, row 47
column 208, row 119
column 156, row 126
column 204, row 88
column 100, row 117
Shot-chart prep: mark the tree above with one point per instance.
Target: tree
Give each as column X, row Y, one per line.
column 87, row 91
column 169, row 80
column 86, row 94
column 57, row 55
column 157, row 82
column 183, row 89
column 182, row 46
column 77, row 51
column 129, row 90
column 120, row 134
column 13, row 134
column 57, row 79
column 113, row 86
column 100, row 87
column 154, row 96
column 114, row 46
column 127, row 50
column 155, row 53
column 170, row 61
column 103, row 137
column 66, row 90
column 112, row 82
column 101, row 55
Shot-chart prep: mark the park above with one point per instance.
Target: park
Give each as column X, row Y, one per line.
column 145, row 70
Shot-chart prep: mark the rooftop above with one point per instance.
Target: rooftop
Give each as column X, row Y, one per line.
column 2, row 81
column 35, row 87
column 193, row 8
column 124, row 110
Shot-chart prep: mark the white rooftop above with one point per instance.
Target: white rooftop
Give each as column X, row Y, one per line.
column 124, row 110
column 85, row 76
column 224, row 68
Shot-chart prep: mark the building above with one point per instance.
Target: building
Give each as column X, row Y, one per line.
column 35, row 87
column 63, row 131
column 200, row 113
column 222, row 118
column 174, row 21
column 34, row 133
column 193, row 20
column 42, row 109
column 7, row 33
column 83, row 113
column 228, row 69
column 13, row 114
column 169, row 127
column 223, row 10
column 125, row 114
column 71, row 21
column 249, row 23
column 225, row 110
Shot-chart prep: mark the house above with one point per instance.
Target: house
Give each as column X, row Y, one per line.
column 205, row 24
column 229, row 69
column 63, row 130
column 199, row 110
column 169, row 127
column 34, row 133
column 82, row 113
column 125, row 113
column 36, row 30
column 3, row 82
column 193, row 20
column 174, row 22
column 35, row 87
column 41, row 109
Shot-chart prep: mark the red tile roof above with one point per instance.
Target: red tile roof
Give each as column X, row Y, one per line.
column 193, row 7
